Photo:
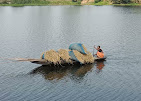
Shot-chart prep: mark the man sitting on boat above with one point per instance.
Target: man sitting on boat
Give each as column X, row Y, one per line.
column 100, row 53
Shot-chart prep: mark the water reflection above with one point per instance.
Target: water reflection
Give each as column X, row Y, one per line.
column 99, row 66
column 78, row 73
column 75, row 72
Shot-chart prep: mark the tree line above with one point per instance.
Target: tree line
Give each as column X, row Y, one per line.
column 68, row 1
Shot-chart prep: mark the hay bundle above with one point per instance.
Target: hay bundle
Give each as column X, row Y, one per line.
column 79, row 56
column 88, row 58
column 52, row 56
column 84, row 58
column 85, row 49
column 64, row 55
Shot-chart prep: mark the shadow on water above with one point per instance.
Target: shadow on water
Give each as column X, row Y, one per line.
column 75, row 72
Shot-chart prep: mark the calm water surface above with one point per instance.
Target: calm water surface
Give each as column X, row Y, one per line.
column 28, row 31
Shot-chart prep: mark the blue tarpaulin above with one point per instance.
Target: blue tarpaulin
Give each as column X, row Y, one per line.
column 78, row 47
column 43, row 56
column 73, row 57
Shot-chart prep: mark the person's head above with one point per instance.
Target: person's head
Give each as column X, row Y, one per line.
column 98, row 47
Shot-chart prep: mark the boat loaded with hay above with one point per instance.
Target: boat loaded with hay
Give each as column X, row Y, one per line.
column 77, row 53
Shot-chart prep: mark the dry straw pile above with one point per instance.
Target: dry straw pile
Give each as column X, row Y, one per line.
column 84, row 58
column 52, row 57
column 64, row 55
column 85, row 49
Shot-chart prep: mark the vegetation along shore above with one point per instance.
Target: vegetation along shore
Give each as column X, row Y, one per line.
column 69, row 2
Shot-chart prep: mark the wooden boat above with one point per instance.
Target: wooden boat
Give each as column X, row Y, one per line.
column 99, row 59
column 44, row 62
column 36, row 61
column 41, row 61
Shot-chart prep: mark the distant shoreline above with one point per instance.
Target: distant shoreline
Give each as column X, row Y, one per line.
column 45, row 3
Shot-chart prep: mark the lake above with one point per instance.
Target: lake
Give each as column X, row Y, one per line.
column 28, row 31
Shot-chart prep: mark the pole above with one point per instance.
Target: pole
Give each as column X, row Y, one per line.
column 93, row 51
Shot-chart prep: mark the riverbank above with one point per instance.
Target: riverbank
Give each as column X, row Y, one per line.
column 43, row 3
column 49, row 3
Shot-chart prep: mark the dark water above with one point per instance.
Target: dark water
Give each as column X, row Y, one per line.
column 28, row 31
